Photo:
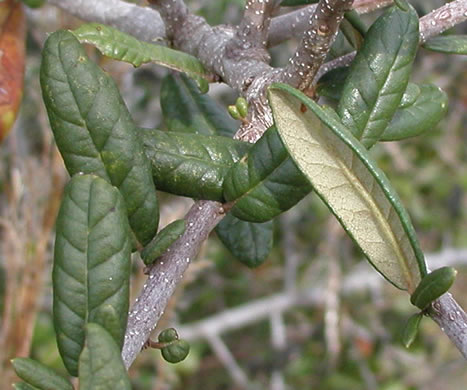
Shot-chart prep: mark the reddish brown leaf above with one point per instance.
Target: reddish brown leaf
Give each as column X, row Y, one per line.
column 12, row 52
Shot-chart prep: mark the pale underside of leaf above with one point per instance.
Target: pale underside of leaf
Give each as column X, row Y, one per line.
column 352, row 191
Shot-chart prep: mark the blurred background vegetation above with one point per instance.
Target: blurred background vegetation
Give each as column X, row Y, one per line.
column 315, row 315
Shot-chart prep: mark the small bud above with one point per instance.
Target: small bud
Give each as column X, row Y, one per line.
column 176, row 352
column 168, row 335
column 242, row 107
column 233, row 111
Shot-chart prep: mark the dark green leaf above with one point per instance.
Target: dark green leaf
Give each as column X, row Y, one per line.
column 293, row 3
column 417, row 112
column 265, row 182
column 450, row 44
column 100, row 364
column 432, row 286
column 356, row 21
column 346, row 178
column 248, row 242
column 332, row 83
column 23, row 386
column 191, row 165
column 162, row 241
column 94, row 130
column 91, row 263
column 411, row 329
column 186, row 110
column 39, row 376
column 379, row 75
column 353, row 36
column 120, row 46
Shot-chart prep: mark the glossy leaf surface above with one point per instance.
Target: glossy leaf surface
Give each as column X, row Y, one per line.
column 94, row 130
column 449, row 44
column 39, row 376
column 185, row 109
column 191, row 165
column 100, row 364
column 249, row 242
column 91, row 263
column 347, row 179
column 12, row 49
column 421, row 112
column 379, row 75
column 265, row 182
column 123, row 47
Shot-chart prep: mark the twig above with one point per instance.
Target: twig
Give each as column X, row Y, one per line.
column 295, row 23
column 361, row 278
column 254, row 27
column 228, row 360
column 442, row 19
column 432, row 24
column 141, row 22
column 452, row 320
column 317, row 40
column 279, row 343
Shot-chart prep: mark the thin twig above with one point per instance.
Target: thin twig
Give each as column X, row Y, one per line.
column 295, row 23
column 228, row 360
column 141, row 22
column 315, row 44
column 432, row 24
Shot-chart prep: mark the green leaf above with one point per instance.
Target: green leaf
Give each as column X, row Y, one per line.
column 249, row 242
column 186, row 110
column 265, row 182
column 411, row 329
column 123, row 47
column 162, row 241
column 420, row 113
column 332, row 83
column 94, row 130
column 91, row 263
column 356, row 191
column 432, row 286
column 39, row 376
column 100, row 364
column 379, row 75
column 23, row 386
column 449, row 44
column 191, row 165
column 293, row 3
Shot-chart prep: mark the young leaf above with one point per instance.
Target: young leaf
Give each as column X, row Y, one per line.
column 249, row 242
column 449, row 44
column 432, row 286
column 379, row 74
column 162, row 241
column 12, row 49
column 356, row 191
column 94, row 130
column 100, row 364
column 421, row 113
column 91, row 263
column 120, row 46
column 185, row 109
column 411, row 329
column 265, row 182
column 191, row 165
column 39, row 376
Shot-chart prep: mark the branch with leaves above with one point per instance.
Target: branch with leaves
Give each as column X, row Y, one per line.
column 110, row 207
